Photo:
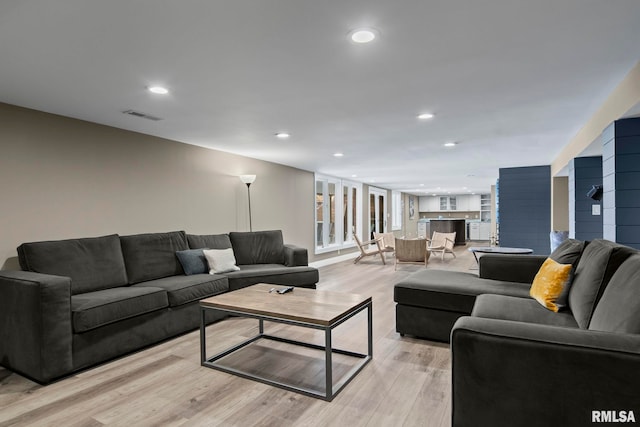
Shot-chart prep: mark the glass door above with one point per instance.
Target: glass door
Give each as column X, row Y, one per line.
column 377, row 211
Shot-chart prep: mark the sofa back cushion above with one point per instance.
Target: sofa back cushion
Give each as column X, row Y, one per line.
column 153, row 255
column 209, row 241
column 258, row 247
column 619, row 307
column 599, row 261
column 93, row 263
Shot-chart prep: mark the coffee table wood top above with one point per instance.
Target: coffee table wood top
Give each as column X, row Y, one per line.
column 312, row 306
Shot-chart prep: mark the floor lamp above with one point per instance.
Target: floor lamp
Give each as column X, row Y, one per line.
column 248, row 179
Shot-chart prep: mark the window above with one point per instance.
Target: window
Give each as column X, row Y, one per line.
column 338, row 213
column 396, row 210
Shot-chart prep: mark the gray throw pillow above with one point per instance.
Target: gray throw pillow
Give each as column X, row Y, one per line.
column 568, row 252
column 193, row 261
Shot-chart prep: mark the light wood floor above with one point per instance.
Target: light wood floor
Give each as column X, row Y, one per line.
column 407, row 383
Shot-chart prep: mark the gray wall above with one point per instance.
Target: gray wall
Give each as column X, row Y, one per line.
column 65, row 178
column 621, row 176
column 584, row 172
column 525, row 208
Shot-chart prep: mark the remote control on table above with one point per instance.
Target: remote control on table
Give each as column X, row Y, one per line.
column 285, row 290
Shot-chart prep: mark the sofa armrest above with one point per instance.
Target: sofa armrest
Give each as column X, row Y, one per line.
column 35, row 324
column 295, row 256
column 528, row 374
column 510, row 268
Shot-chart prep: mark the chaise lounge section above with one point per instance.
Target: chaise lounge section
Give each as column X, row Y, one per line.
column 80, row 302
column 516, row 362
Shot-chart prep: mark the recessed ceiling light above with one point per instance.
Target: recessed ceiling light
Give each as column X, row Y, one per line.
column 450, row 144
column 282, row 135
column 158, row 89
column 433, row 194
column 421, row 185
column 338, row 154
column 354, row 176
column 363, row 35
column 426, row 116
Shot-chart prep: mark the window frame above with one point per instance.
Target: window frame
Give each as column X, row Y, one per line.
column 341, row 241
column 396, row 210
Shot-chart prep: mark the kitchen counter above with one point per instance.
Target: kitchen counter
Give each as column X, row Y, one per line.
column 449, row 225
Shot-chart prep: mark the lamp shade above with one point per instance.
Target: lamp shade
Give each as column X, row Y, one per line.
column 247, row 179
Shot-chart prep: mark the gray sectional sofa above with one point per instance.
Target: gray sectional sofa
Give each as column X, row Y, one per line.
column 516, row 363
column 80, row 302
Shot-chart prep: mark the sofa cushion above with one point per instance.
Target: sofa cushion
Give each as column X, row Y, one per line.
column 185, row 289
column 209, row 241
column 193, row 261
column 451, row 290
column 258, row 247
column 619, row 307
column 92, row 263
column 94, row 309
column 599, row 261
column 526, row 310
column 153, row 255
column 569, row 252
column 220, row 260
column 276, row 274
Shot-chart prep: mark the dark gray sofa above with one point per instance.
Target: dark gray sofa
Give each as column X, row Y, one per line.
column 80, row 302
column 429, row 302
column 515, row 362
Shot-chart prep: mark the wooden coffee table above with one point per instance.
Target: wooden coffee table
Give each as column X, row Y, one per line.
column 309, row 308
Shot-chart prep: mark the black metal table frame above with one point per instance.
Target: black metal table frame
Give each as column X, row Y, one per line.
column 330, row 390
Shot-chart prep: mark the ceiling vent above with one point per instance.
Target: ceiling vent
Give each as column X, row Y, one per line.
column 141, row 115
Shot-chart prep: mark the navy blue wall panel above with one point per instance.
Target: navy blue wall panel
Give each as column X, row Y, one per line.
column 627, row 181
column 587, row 172
column 525, row 208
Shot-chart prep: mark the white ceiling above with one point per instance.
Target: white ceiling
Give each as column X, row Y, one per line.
column 511, row 81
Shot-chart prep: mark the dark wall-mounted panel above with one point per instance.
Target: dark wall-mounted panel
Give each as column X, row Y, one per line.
column 587, row 172
column 525, row 208
column 626, row 140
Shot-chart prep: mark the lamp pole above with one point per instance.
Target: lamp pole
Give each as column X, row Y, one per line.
column 248, row 179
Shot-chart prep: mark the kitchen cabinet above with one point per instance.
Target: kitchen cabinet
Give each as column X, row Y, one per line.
column 485, row 231
column 474, row 231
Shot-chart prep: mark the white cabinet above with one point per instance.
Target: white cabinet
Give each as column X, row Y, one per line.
column 458, row 202
column 423, row 229
column 485, row 207
column 474, row 202
column 485, row 231
column 479, row 231
column 474, row 231
column 462, row 202
column 428, row 204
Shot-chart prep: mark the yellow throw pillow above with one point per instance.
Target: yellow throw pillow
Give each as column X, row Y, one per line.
column 551, row 280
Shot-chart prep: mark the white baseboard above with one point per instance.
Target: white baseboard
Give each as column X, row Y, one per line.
column 333, row 260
